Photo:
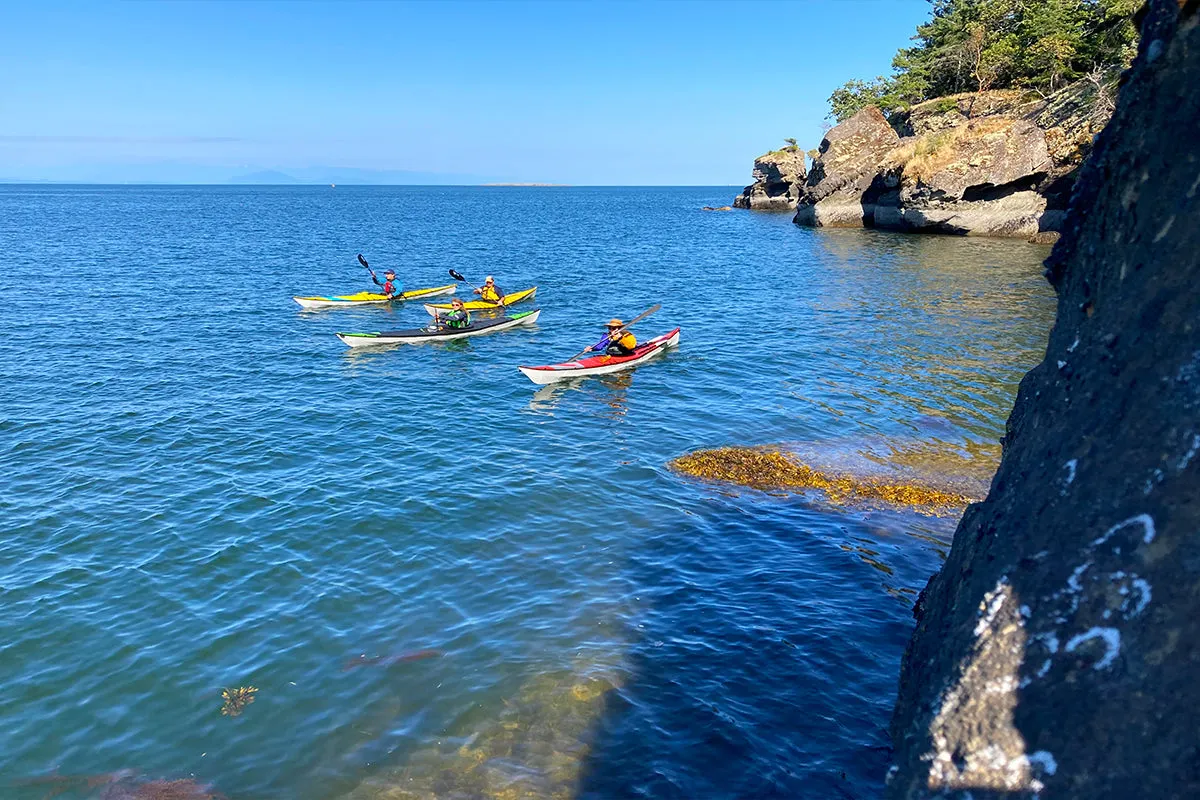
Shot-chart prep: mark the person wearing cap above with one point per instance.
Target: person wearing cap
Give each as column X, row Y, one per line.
column 490, row 291
column 457, row 316
column 391, row 286
column 618, row 342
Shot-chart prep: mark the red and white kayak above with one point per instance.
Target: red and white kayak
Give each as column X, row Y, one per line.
column 602, row 365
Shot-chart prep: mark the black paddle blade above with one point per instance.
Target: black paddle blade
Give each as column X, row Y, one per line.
column 363, row 261
column 457, row 275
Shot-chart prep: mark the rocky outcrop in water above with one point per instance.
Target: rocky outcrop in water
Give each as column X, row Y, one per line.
column 1056, row 653
column 837, row 193
column 992, row 163
column 778, row 179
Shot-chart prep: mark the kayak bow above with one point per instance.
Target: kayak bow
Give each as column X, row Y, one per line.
column 484, row 305
column 601, row 365
column 372, row 298
column 417, row 335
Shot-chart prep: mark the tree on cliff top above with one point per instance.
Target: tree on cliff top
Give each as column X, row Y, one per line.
column 976, row 45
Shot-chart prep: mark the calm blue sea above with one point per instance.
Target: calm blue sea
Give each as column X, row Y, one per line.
column 201, row 488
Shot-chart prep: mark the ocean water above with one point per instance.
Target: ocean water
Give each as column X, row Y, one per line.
column 442, row 581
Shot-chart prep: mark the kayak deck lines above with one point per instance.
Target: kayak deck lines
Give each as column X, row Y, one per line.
column 602, row 365
column 418, row 335
column 372, row 298
column 433, row 309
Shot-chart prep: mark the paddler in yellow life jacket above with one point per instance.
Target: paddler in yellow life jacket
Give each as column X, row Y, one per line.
column 618, row 342
column 457, row 316
column 490, row 291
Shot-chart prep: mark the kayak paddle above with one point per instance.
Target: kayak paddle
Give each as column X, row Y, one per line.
column 458, row 276
column 363, row 261
column 610, row 338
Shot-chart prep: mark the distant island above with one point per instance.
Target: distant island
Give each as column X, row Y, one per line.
column 524, row 184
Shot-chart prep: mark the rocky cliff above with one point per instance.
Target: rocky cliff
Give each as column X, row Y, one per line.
column 1057, row 652
column 993, row 163
column 778, row 178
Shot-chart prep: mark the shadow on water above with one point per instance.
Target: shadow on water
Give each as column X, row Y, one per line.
column 767, row 689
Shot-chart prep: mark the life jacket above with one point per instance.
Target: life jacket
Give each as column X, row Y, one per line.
column 389, row 287
column 623, row 346
column 491, row 293
column 458, row 319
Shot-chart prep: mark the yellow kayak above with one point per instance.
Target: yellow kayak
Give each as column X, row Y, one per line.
column 370, row 298
column 483, row 305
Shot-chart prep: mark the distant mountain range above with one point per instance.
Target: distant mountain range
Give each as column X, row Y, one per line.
column 177, row 173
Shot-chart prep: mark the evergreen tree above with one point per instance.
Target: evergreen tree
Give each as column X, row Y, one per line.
column 976, row 45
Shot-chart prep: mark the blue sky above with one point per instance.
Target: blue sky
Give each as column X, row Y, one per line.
column 580, row 93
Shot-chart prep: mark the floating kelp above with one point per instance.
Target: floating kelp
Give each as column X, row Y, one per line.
column 772, row 469
column 237, row 699
column 536, row 747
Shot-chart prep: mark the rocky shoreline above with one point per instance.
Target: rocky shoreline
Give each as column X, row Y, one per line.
column 1055, row 653
column 995, row 163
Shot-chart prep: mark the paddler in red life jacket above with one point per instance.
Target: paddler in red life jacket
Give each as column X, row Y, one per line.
column 391, row 286
column 618, row 342
column 490, row 291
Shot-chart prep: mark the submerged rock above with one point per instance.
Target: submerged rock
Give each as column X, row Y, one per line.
column 778, row 180
column 536, row 747
column 1055, row 654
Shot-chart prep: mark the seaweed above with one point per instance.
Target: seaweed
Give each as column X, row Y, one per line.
column 772, row 469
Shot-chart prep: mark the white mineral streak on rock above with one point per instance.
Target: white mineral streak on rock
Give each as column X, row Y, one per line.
column 989, row 753
column 1045, row 760
column 1112, row 644
column 1191, row 453
column 1144, row 520
column 1070, row 477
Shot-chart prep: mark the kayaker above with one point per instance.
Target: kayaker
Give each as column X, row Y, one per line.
column 618, row 342
column 457, row 316
column 391, row 286
column 490, row 291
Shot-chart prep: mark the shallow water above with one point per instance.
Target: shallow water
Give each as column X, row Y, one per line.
column 202, row 488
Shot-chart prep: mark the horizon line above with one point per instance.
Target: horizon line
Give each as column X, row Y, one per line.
column 235, row 185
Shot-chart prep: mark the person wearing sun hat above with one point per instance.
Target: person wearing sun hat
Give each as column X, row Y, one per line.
column 490, row 291
column 618, row 342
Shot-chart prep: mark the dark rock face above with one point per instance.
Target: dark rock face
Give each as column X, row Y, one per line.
column 1057, row 653
column 845, row 170
column 778, row 179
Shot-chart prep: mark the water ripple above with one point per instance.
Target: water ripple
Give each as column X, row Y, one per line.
column 201, row 488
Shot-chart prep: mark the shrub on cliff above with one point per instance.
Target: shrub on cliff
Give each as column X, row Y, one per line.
column 976, row 45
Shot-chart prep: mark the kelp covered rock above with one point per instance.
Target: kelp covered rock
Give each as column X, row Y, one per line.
column 773, row 469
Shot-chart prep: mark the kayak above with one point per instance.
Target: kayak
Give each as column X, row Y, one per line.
column 484, row 305
column 433, row 334
column 370, row 298
column 602, row 365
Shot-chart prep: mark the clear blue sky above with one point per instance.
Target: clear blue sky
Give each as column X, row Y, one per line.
column 581, row 93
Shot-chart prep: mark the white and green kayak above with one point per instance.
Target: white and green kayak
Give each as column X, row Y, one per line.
column 373, row 298
column 436, row 333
